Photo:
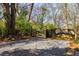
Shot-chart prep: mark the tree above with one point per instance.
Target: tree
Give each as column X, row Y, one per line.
column 31, row 8
column 76, row 12
column 66, row 13
column 43, row 12
column 9, row 14
column 12, row 22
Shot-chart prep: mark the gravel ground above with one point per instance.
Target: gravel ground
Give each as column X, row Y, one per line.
column 34, row 47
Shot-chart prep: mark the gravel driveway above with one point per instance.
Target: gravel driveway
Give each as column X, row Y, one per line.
column 34, row 47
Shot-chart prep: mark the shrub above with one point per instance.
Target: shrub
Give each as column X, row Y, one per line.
column 77, row 41
column 35, row 26
column 2, row 27
column 22, row 25
column 50, row 26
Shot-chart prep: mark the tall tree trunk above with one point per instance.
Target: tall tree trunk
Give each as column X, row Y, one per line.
column 75, row 27
column 9, row 14
column 66, row 15
column 31, row 8
column 12, row 23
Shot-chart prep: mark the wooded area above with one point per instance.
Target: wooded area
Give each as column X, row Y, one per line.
column 27, row 20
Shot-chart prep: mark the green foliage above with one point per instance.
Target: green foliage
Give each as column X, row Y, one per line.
column 50, row 26
column 77, row 41
column 43, row 8
column 2, row 27
column 22, row 25
column 23, row 12
column 35, row 26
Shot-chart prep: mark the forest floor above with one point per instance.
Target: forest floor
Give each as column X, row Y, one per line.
column 34, row 47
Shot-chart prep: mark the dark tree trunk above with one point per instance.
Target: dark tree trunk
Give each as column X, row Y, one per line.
column 9, row 14
column 31, row 8
column 12, row 23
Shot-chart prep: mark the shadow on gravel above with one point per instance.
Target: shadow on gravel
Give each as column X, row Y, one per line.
column 26, row 41
column 36, row 52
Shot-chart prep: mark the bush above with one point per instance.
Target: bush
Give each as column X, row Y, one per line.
column 77, row 41
column 22, row 25
column 35, row 26
column 2, row 27
column 50, row 26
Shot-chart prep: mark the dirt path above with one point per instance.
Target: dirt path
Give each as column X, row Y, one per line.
column 34, row 47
